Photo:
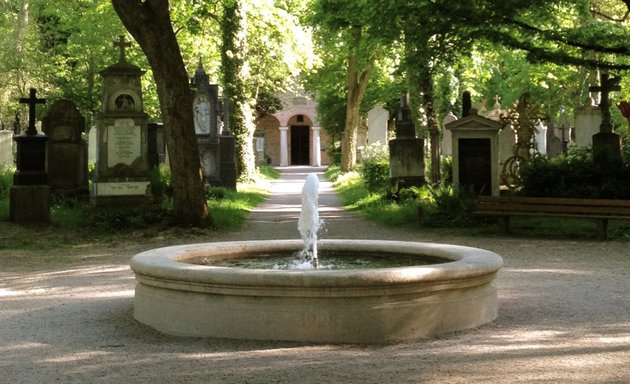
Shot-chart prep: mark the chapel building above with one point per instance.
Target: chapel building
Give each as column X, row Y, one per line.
column 292, row 136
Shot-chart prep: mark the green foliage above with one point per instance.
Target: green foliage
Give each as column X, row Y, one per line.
column 268, row 173
column 426, row 207
column 442, row 207
column 6, row 179
column 144, row 218
column 67, row 212
column 229, row 209
column 575, row 175
column 447, row 169
column 161, row 184
column 374, row 167
column 333, row 172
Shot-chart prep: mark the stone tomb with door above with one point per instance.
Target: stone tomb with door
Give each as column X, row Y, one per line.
column 122, row 173
column 476, row 154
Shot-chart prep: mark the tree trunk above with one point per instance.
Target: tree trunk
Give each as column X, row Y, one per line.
column 235, row 74
column 428, row 104
column 357, row 81
column 149, row 23
column 20, row 35
column 20, row 29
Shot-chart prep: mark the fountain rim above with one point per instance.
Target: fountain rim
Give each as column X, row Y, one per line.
column 169, row 264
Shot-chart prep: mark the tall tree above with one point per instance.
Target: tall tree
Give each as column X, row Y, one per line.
column 149, row 23
column 342, row 25
column 235, row 73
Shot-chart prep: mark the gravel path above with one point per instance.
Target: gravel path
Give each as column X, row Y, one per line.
column 564, row 316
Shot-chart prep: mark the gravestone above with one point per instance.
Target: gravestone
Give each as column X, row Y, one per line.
column 67, row 151
column 588, row 118
column 91, row 139
column 227, row 148
column 122, row 174
column 561, row 136
column 606, row 143
column 507, row 141
column 6, row 148
column 476, row 154
column 447, row 138
column 540, row 137
column 156, row 144
column 30, row 192
column 377, row 125
column 406, row 152
column 205, row 112
column 496, row 112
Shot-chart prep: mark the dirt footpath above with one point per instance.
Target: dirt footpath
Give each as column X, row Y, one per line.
column 564, row 317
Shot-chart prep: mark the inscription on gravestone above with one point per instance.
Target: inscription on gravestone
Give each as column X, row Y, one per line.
column 123, row 142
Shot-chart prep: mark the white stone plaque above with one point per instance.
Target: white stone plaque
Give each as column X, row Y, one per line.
column 123, row 142
column 126, row 188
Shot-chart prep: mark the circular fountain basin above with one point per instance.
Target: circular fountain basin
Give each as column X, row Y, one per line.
column 384, row 305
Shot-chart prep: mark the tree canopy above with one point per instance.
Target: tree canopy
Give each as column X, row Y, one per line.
column 368, row 52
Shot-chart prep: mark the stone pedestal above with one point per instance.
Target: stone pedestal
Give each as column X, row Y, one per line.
column 607, row 148
column 208, row 147
column 31, row 160
column 406, row 162
column 30, row 204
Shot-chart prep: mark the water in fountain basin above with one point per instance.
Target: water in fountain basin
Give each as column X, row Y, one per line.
column 309, row 222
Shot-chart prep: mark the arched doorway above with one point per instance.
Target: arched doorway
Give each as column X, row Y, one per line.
column 300, row 144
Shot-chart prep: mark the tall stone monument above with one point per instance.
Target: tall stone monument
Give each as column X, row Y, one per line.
column 215, row 143
column 121, row 175
column 406, row 152
column 67, row 150
column 30, row 192
column 205, row 110
column 606, row 143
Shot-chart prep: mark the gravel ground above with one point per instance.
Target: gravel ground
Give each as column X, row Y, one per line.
column 564, row 316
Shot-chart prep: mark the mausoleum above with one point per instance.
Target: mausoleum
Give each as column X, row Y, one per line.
column 293, row 135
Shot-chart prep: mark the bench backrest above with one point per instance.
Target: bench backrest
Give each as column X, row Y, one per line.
column 604, row 207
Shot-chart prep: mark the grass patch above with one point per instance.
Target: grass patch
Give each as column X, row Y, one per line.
column 229, row 209
column 73, row 223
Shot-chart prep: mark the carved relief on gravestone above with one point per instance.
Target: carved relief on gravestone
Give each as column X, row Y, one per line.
column 201, row 109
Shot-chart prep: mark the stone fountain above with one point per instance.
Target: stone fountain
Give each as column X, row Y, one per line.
column 382, row 305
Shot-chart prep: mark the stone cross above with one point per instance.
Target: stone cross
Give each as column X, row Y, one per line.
column 122, row 44
column 607, row 84
column 32, row 101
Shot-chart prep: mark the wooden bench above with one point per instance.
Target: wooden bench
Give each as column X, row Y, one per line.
column 600, row 210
